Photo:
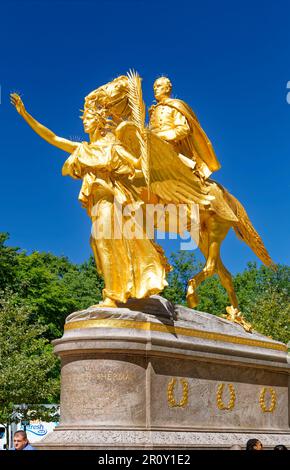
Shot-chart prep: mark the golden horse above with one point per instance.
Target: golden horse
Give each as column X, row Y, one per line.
column 173, row 181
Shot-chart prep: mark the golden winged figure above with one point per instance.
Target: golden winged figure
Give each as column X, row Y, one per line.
column 134, row 164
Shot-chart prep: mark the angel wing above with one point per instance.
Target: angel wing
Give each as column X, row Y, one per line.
column 170, row 174
column 126, row 133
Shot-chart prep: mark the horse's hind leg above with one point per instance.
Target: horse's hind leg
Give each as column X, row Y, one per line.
column 208, row 270
column 227, row 283
column 233, row 312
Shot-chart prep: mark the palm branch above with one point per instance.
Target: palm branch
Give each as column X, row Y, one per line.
column 138, row 109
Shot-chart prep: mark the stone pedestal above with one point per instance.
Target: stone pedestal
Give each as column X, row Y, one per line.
column 150, row 375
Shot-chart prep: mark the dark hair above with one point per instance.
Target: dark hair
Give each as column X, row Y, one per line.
column 22, row 433
column 252, row 443
column 280, row 447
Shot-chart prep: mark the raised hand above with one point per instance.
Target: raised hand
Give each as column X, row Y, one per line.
column 18, row 103
column 40, row 129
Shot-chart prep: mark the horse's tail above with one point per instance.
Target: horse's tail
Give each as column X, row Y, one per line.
column 246, row 232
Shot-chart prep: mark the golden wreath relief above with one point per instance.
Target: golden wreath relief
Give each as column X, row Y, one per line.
column 219, row 398
column 170, row 394
column 273, row 402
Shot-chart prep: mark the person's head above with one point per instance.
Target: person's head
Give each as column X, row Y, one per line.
column 94, row 120
column 162, row 88
column 20, row 440
column 280, row 447
column 254, row 444
column 235, row 447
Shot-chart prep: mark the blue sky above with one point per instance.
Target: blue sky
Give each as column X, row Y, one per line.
column 230, row 61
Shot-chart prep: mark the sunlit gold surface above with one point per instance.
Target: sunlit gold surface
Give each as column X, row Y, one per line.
column 169, row 162
column 174, row 121
column 148, row 326
column 131, row 268
column 233, row 314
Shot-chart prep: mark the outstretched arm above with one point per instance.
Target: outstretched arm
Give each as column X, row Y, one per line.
column 46, row 134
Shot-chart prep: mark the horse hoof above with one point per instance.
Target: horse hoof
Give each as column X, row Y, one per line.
column 191, row 298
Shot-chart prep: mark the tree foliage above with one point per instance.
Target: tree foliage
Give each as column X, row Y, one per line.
column 29, row 371
column 52, row 286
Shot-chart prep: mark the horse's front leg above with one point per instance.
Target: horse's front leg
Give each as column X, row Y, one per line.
column 209, row 270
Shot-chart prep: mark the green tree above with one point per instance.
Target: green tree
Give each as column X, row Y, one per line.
column 270, row 314
column 212, row 296
column 8, row 262
column 52, row 286
column 264, row 296
column 29, row 371
column 184, row 266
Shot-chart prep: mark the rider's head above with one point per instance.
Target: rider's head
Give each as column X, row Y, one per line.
column 162, row 88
